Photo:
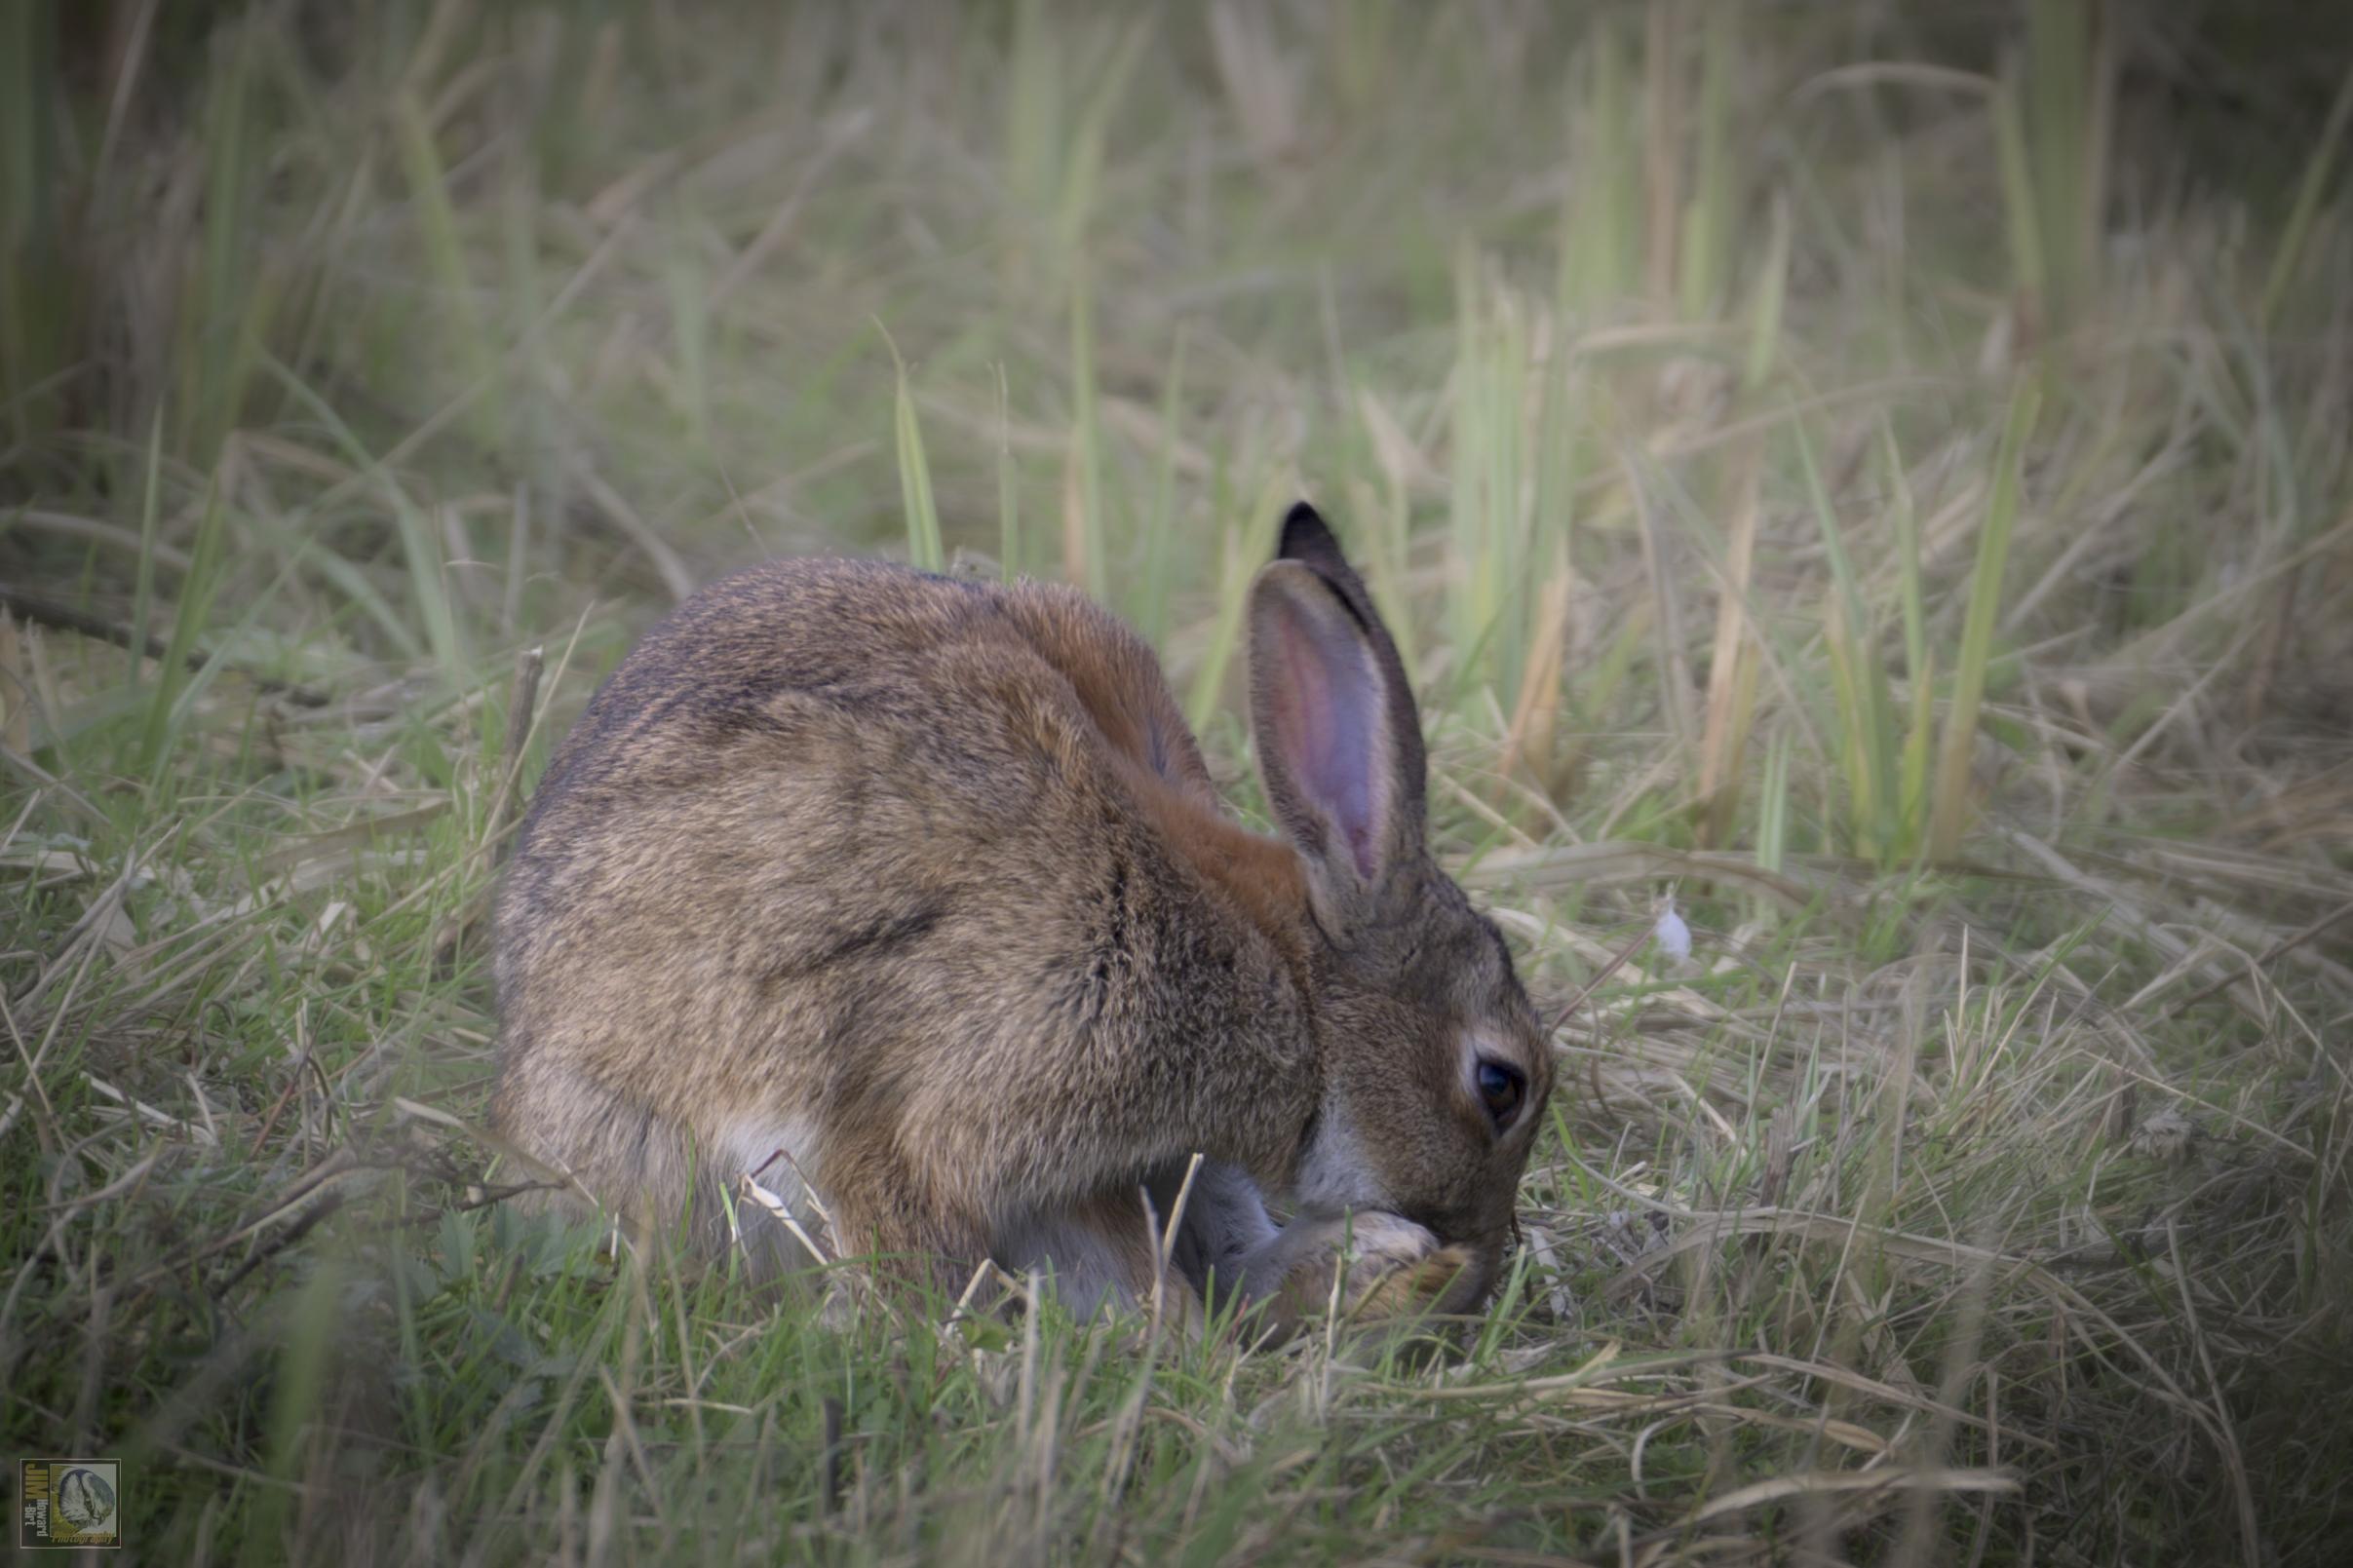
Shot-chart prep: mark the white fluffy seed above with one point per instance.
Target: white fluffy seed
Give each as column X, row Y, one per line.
column 1672, row 934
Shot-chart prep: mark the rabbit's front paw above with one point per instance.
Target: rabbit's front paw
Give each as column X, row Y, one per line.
column 1385, row 1265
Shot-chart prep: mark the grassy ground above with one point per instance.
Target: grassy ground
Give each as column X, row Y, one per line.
column 1880, row 484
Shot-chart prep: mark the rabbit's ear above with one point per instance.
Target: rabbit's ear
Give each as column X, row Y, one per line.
column 1338, row 738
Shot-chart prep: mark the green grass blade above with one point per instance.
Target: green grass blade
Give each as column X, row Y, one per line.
column 420, row 545
column 1701, row 249
column 198, row 588
column 923, row 543
column 1602, row 219
column 1773, row 807
column 1153, row 586
column 1008, row 489
column 1865, row 705
column 1918, row 662
column 2021, row 207
column 2309, row 191
column 1238, row 561
column 1977, row 637
column 1766, row 310
column 150, row 519
column 1085, row 447
column 462, row 334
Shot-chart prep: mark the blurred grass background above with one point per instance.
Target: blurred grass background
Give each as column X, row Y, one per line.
column 1875, row 476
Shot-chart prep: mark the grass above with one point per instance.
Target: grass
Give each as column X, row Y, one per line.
column 1879, row 481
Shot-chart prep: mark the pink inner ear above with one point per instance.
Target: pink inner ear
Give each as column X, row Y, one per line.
column 1326, row 716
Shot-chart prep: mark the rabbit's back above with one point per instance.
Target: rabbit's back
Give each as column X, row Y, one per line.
column 853, row 857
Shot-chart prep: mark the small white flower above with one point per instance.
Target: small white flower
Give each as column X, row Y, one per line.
column 1672, row 934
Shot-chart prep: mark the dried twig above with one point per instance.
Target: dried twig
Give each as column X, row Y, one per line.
column 64, row 618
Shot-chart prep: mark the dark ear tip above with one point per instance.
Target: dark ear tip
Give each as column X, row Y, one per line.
column 1306, row 536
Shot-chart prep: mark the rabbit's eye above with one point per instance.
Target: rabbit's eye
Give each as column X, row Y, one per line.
column 1504, row 1087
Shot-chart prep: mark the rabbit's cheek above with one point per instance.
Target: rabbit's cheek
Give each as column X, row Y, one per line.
column 1335, row 1173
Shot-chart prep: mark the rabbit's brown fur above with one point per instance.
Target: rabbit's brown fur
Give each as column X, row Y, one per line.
column 923, row 883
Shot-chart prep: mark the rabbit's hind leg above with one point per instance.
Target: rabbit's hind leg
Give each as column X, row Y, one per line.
column 899, row 1226
column 599, row 1146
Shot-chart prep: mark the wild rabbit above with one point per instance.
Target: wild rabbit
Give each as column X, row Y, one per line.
column 916, row 892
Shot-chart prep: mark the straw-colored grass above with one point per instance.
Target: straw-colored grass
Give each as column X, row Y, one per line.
column 1879, row 482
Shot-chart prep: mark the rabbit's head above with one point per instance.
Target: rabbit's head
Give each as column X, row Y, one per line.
column 1435, row 1067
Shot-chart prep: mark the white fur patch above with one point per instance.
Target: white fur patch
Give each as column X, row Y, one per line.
column 777, row 1156
column 1333, row 1174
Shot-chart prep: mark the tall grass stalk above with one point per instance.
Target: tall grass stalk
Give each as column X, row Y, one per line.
column 1766, row 305
column 427, row 569
column 1083, row 171
column 1919, row 660
column 1009, row 486
column 224, row 312
column 1664, row 150
column 1602, row 216
column 1086, row 545
column 1034, row 129
column 1703, row 253
column 198, row 586
column 2021, row 206
column 1859, row 681
column 1529, row 737
column 1957, row 751
column 1489, row 524
column 36, row 299
column 462, row 337
column 923, row 542
column 1158, row 523
column 297, row 1391
column 1240, row 552
column 2069, row 67
column 150, row 523
column 1731, row 666
column 688, row 290
column 1773, row 806
column 2318, row 168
